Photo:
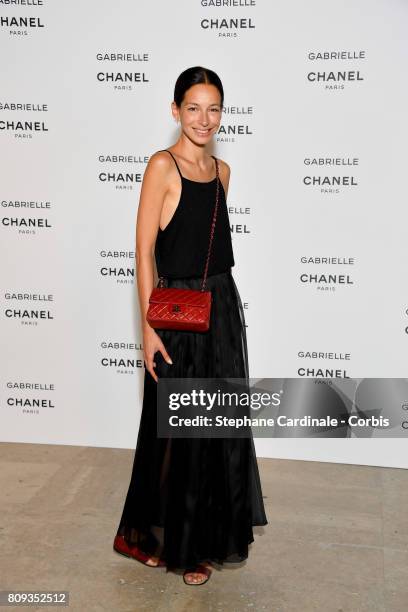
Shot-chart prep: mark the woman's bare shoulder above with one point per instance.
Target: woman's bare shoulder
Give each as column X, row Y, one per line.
column 223, row 164
column 160, row 160
column 158, row 170
column 225, row 170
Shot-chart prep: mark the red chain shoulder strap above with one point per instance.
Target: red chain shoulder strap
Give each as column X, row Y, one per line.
column 212, row 225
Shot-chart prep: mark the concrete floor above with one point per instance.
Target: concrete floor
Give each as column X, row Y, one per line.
column 337, row 539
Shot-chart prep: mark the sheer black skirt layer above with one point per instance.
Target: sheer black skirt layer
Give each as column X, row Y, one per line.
column 195, row 500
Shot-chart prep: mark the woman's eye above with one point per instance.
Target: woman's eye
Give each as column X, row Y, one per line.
column 214, row 110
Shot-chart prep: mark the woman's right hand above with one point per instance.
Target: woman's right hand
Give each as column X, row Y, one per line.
column 151, row 344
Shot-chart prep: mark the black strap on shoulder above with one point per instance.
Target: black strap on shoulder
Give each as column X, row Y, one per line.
column 174, row 161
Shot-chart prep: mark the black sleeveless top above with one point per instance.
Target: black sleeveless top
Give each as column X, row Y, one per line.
column 181, row 248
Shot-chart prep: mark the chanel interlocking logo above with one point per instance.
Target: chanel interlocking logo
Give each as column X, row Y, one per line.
column 176, row 308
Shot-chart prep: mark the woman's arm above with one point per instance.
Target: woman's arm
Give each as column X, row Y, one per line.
column 153, row 191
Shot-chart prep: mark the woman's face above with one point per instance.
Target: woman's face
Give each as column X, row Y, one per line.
column 200, row 112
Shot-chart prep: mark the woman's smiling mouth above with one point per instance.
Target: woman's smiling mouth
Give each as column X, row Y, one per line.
column 202, row 132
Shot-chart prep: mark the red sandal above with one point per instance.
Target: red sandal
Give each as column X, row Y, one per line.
column 199, row 569
column 122, row 547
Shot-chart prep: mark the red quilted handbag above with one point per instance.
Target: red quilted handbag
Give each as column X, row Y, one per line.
column 189, row 309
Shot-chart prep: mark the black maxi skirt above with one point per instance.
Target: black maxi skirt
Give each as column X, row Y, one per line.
column 192, row 500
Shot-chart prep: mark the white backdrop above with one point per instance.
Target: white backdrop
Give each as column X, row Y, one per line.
column 315, row 94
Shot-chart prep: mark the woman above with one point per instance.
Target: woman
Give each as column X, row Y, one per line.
column 191, row 502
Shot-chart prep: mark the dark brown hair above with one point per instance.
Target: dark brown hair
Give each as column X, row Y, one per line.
column 193, row 76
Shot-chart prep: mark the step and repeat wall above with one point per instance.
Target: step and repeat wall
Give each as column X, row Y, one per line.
column 315, row 133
